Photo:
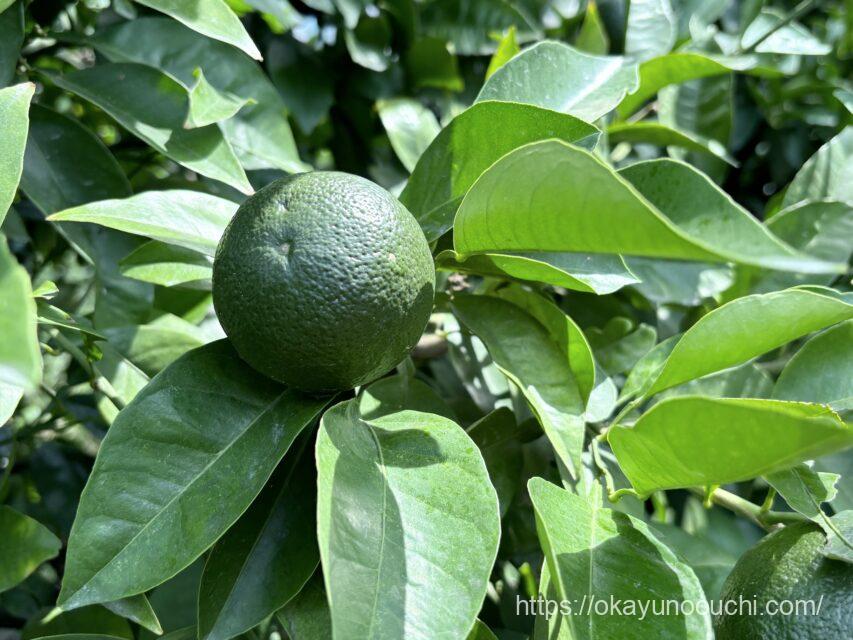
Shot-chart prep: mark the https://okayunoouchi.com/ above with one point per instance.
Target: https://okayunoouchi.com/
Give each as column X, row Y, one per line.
column 591, row 605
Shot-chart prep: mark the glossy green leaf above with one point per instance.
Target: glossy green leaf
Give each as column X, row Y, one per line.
column 497, row 437
column 838, row 540
column 154, row 346
column 650, row 30
column 136, row 609
column 189, row 219
column 596, row 553
column 306, row 616
column 600, row 274
column 822, row 370
column 481, row 632
column 555, row 76
column 229, row 426
column 679, row 282
column 527, row 355
column 53, row 316
column 259, row 134
column 411, row 128
column 14, row 122
column 209, row 105
column 390, row 525
column 399, row 393
column 827, row 174
column 592, row 36
column 167, row 265
column 89, row 623
column 212, row 18
column 507, row 49
column 582, row 205
column 266, row 557
column 805, row 489
column 792, row 38
column 746, row 381
column 681, row 66
column 663, row 136
column 20, row 354
column 431, row 64
column 456, row 158
column 689, row 441
column 752, row 325
column 11, row 39
column 26, row 544
column 153, row 107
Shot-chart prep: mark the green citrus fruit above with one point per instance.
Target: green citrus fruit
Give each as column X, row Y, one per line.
column 323, row 281
column 786, row 571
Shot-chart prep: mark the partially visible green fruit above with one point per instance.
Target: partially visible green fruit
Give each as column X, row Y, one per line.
column 323, row 281
column 788, row 567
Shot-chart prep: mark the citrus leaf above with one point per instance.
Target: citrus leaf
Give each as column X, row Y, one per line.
column 11, row 39
column 456, row 158
column 838, row 540
column 154, row 346
column 153, row 107
column 213, row 18
column 14, row 122
column 650, row 29
column 189, row 219
column 209, row 105
column 822, row 370
column 390, row 525
column 411, row 128
column 229, row 425
column 26, row 544
column 526, row 354
column 787, row 37
column 582, row 205
column 306, row 616
column 398, row 393
column 555, row 76
column 595, row 554
column 592, row 273
column 481, row 632
column 259, row 134
column 497, row 436
column 804, row 489
column 827, row 174
column 167, row 265
column 661, row 135
column 266, row 557
column 688, row 441
column 752, row 325
column 20, row 354
column 506, row 50
column 137, row 609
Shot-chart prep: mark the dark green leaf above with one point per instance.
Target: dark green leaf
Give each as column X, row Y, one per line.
column 26, row 544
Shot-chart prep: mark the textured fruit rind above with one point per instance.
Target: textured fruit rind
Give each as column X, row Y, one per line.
column 787, row 567
column 323, row 281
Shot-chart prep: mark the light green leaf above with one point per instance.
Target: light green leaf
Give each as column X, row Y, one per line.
column 167, row 265
column 827, row 174
column 845, row 97
column 259, row 134
column 137, row 609
column 10, row 396
column 481, row 632
column 592, row 36
column 752, row 325
column 697, row 441
column 822, row 370
column 20, row 354
column 507, row 49
column 526, row 354
column 804, row 489
column 153, row 107
column 189, row 219
column 663, row 136
column 582, row 205
column 369, row 42
column 555, row 76
column 678, row 282
column 791, row 39
column 26, row 544
column 266, row 557
column 212, row 18
column 399, row 393
column 593, row 273
column 838, row 540
column 596, row 554
column 306, row 616
column 14, row 122
column 55, row 317
column 411, row 127
column 746, row 381
column 681, row 66
column 230, row 427
column 457, row 157
column 390, row 525
column 651, row 29
column 617, row 352
column 209, row 105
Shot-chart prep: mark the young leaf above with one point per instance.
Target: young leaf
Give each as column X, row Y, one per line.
column 596, row 554
column 153, row 107
column 26, row 544
column 259, row 134
column 593, row 273
column 507, row 49
column 693, row 441
column 752, row 325
column 20, row 354
column 527, row 355
column 14, row 122
column 228, row 425
column 208, row 105
column 189, row 219
column 827, row 174
column 822, row 370
column 266, row 557
column 455, row 159
column 555, row 76
column 411, row 128
column 212, row 18
column 398, row 496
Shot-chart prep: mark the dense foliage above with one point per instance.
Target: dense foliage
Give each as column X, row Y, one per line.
column 640, row 356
